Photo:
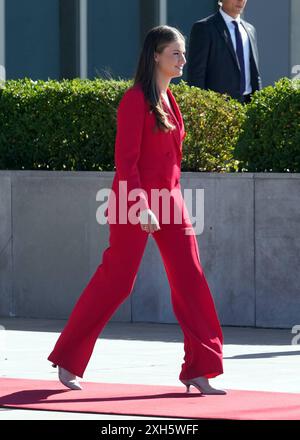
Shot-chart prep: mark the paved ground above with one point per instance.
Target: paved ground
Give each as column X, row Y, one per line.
column 146, row 353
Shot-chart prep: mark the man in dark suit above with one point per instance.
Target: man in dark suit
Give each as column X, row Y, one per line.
column 223, row 54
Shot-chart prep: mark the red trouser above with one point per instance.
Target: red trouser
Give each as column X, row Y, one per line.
column 113, row 282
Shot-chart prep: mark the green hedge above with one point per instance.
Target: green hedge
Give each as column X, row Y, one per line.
column 213, row 123
column 71, row 125
column 270, row 138
column 67, row 125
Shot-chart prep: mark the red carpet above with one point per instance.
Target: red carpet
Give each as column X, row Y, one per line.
column 148, row 400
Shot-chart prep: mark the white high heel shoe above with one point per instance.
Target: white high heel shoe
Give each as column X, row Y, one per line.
column 68, row 379
column 202, row 384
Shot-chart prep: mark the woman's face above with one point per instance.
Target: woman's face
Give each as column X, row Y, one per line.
column 171, row 61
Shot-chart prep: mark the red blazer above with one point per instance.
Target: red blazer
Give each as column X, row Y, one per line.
column 144, row 158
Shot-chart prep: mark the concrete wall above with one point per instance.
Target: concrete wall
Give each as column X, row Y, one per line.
column 51, row 244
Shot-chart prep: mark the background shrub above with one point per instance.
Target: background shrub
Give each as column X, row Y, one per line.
column 213, row 123
column 270, row 136
column 71, row 125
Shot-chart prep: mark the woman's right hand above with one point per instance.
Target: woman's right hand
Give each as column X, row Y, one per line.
column 148, row 221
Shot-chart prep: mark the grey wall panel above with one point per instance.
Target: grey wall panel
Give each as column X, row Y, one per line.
column 295, row 37
column 6, row 277
column 249, row 247
column 2, row 40
column 32, row 35
column 271, row 19
column 58, row 243
column 151, row 299
column 277, row 242
column 182, row 15
column 32, row 39
column 114, row 38
column 233, row 268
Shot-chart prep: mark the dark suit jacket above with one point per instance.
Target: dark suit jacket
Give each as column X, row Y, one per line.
column 212, row 62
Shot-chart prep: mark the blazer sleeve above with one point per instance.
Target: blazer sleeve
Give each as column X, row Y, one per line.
column 199, row 47
column 130, row 123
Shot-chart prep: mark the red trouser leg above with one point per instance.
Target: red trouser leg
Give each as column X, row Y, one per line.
column 192, row 302
column 110, row 285
column 113, row 282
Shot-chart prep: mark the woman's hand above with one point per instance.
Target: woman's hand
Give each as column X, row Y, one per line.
column 148, row 221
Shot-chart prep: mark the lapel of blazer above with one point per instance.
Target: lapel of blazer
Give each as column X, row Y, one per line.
column 252, row 41
column 225, row 34
column 176, row 115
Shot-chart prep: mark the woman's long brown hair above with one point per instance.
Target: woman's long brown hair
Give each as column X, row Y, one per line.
column 156, row 40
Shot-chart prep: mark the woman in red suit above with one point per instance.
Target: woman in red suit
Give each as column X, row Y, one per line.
column 148, row 152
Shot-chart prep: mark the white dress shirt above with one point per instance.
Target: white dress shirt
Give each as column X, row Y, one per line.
column 246, row 45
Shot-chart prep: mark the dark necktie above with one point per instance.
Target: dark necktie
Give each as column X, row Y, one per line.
column 240, row 55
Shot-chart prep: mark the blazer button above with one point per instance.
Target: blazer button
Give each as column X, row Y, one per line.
column 168, row 153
